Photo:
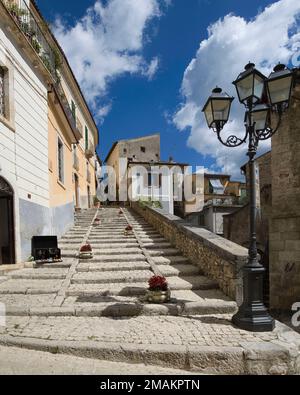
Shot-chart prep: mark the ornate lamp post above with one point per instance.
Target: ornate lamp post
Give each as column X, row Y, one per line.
column 251, row 86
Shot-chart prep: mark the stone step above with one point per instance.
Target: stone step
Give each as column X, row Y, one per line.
column 131, row 244
column 191, row 283
column 124, row 309
column 168, row 252
column 179, row 270
column 23, row 302
column 59, row 265
column 69, row 254
column 134, row 276
column 157, row 245
column 71, row 239
column 112, row 238
column 116, row 251
column 65, row 242
column 112, row 266
column 30, row 287
column 170, row 260
column 70, row 247
column 39, row 274
column 139, row 288
column 118, row 258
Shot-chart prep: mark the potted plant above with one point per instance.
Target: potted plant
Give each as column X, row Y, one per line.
column 128, row 231
column 16, row 12
column 86, row 252
column 158, row 291
column 96, row 202
column 121, row 212
column 97, row 222
column 29, row 33
column 36, row 45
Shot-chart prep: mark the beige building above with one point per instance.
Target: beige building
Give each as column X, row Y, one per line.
column 43, row 117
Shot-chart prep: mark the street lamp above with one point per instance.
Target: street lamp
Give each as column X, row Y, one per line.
column 252, row 86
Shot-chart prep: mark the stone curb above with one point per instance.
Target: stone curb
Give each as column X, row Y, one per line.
column 126, row 310
column 249, row 358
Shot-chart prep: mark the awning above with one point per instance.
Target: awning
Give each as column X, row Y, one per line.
column 217, row 186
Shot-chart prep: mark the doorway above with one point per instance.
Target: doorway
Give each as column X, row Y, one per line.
column 77, row 204
column 7, row 236
column 89, row 196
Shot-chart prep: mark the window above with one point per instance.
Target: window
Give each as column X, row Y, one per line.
column 60, row 160
column 3, row 93
column 86, row 138
column 149, row 179
column 125, row 151
column 73, row 109
column 143, row 149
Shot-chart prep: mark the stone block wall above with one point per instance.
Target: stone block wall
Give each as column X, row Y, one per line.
column 285, row 220
column 218, row 258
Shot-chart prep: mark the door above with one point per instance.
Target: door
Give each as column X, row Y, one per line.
column 89, row 196
column 77, row 205
column 7, row 236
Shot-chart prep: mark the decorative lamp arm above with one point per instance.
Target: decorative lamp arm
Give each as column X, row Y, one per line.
column 232, row 141
column 269, row 132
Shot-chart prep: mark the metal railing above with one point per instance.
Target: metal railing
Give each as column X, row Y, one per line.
column 32, row 30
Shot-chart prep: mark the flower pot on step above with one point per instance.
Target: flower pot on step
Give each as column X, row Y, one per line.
column 158, row 297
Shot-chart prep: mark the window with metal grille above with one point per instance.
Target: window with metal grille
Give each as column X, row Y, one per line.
column 2, row 92
column 60, row 160
column 86, row 138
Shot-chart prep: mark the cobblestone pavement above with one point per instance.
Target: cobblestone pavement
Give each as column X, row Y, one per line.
column 197, row 330
column 101, row 301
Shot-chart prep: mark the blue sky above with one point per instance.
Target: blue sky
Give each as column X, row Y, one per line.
column 154, row 87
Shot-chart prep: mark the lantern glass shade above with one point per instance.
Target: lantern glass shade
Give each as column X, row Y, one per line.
column 250, row 85
column 279, row 85
column 259, row 117
column 217, row 109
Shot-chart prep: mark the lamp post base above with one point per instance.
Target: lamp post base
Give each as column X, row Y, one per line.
column 253, row 316
column 254, row 323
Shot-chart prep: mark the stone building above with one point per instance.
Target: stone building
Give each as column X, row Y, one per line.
column 236, row 224
column 43, row 117
column 142, row 174
column 285, row 218
column 220, row 196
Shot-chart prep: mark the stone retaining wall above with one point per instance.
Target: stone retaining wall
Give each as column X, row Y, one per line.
column 218, row 258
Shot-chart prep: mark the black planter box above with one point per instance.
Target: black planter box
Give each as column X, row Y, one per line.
column 44, row 249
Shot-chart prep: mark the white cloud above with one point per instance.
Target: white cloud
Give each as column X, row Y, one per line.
column 232, row 42
column 108, row 42
column 152, row 68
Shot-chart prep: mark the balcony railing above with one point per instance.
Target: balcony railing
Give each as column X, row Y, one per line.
column 90, row 151
column 67, row 109
column 28, row 24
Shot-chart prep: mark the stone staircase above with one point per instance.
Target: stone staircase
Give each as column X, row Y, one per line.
column 96, row 308
column 121, row 269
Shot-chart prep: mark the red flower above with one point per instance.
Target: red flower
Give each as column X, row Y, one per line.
column 158, row 283
column 86, row 248
column 129, row 228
